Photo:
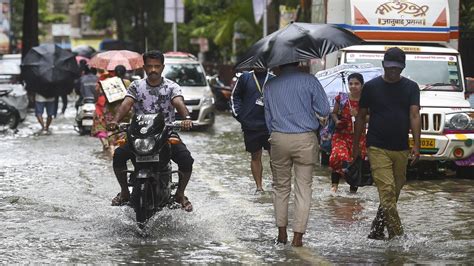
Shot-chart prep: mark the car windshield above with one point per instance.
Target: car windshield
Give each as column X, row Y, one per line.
column 434, row 72
column 185, row 74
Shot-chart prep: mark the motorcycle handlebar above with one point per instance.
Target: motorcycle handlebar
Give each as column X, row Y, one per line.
column 176, row 125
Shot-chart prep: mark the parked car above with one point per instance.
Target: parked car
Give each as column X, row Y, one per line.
column 10, row 79
column 185, row 69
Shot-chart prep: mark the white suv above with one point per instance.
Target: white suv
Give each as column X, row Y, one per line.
column 185, row 69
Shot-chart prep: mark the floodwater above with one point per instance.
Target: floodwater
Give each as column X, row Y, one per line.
column 55, row 194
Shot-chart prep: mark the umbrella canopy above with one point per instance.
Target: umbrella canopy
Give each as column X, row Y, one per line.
column 332, row 79
column 49, row 70
column 84, row 50
column 110, row 59
column 297, row 42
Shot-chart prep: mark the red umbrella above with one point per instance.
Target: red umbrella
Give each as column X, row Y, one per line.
column 110, row 59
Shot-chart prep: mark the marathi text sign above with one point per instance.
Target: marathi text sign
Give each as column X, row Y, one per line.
column 401, row 13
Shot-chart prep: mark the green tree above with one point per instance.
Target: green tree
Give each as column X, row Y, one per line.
column 466, row 18
column 140, row 22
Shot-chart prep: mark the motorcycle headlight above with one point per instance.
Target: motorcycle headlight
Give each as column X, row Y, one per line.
column 144, row 145
column 459, row 121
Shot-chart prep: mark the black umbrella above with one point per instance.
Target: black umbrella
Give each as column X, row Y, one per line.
column 297, row 42
column 49, row 70
column 84, row 50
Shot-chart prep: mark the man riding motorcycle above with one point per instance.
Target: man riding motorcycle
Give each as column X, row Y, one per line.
column 154, row 94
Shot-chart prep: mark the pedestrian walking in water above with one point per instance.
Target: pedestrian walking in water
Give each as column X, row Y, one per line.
column 41, row 103
column 393, row 103
column 293, row 100
column 247, row 108
column 345, row 109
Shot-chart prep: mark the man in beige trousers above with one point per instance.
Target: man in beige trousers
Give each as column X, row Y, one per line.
column 291, row 102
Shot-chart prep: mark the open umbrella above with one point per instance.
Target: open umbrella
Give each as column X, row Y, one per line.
column 334, row 80
column 84, row 50
column 49, row 70
column 110, row 59
column 297, row 42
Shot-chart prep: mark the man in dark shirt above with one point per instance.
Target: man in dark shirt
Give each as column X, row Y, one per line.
column 393, row 103
column 247, row 108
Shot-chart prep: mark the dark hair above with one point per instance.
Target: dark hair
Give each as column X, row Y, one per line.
column 154, row 54
column 120, row 71
column 357, row 76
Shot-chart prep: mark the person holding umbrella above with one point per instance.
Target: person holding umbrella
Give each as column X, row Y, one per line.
column 50, row 71
column 292, row 100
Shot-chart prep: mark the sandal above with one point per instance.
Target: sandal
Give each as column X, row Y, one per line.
column 119, row 201
column 185, row 204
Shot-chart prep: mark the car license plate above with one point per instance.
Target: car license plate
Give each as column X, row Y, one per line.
column 425, row 143
column 148, row 158
column 87, row 122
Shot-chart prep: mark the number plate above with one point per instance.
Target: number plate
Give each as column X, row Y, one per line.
column 425, row 143
column 149, row 158
column 87, row 122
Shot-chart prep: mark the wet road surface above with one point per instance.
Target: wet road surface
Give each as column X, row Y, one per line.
column 55, row 194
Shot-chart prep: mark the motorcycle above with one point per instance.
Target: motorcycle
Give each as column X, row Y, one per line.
column 84, row 116
column 150, row 140
column 9, row 115
column 222, row 93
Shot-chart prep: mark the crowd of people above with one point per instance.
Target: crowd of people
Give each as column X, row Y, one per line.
column 281, row 114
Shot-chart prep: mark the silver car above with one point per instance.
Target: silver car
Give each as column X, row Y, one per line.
column 10, row 80
column 185, row 69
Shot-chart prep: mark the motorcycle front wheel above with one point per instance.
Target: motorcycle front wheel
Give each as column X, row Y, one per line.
column 144, row 202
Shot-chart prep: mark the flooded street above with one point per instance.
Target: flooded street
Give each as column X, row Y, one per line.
column 55, row 194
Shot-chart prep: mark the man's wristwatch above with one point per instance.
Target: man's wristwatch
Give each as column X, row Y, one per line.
column 188, row 117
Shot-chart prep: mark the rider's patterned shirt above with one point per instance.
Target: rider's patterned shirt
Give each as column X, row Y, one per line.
column 154, row 99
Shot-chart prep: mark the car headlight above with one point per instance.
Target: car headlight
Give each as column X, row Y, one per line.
column 144, row 145
column 459, row 121
column 207, row 100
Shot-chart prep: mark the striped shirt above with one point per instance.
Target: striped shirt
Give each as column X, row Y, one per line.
column 293, row 101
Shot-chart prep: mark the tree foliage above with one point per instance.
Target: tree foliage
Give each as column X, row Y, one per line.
column 140, row 22
column 466, row 19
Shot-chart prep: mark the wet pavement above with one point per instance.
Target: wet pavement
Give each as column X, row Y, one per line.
column 55, row 194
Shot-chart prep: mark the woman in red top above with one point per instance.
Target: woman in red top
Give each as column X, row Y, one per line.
column 344, row 113
column 99, row 127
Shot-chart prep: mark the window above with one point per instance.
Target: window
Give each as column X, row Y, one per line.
column 435, row 72
column 185, row 74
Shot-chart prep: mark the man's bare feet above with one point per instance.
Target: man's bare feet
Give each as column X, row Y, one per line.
column 282, row 236
column 297, row 239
